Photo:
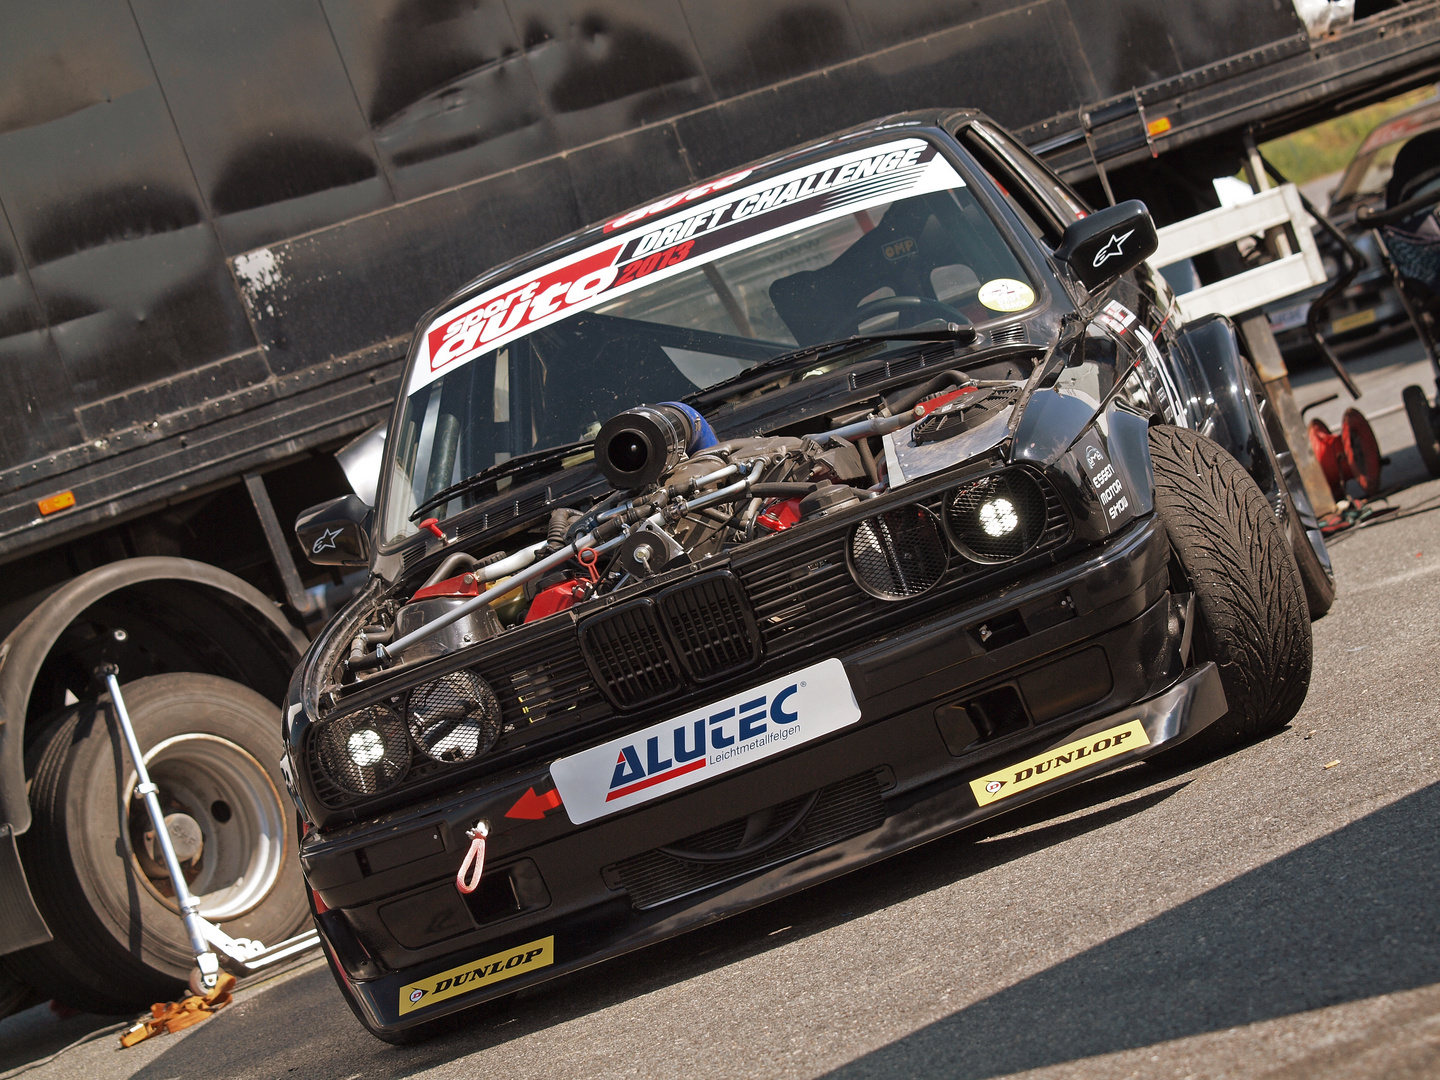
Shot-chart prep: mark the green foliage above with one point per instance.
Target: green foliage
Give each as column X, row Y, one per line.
column 1328, row 147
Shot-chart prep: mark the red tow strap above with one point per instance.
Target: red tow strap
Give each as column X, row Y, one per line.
column 474, row 858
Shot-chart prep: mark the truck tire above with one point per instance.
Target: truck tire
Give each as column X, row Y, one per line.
column 1252, row 617
column 211, row 746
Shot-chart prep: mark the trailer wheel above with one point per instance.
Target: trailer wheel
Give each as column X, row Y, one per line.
column 1422, row 423
column 1229, row 550
column 210, row 745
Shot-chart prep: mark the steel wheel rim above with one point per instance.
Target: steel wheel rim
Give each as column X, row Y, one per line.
column 244, row 849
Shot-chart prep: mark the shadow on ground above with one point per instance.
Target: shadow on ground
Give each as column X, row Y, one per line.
column 304, row 1025
column 1361, row 906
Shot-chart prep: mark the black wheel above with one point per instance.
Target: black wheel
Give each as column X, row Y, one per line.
column 1230, row 551
column 1422, row 423
column 210, row 745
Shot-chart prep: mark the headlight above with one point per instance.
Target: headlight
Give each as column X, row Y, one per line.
column 996, row 518
column 364, row 752
column 455, row 718
column 898, row 554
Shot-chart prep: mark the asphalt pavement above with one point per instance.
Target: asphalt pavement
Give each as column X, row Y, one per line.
column 1271, row 913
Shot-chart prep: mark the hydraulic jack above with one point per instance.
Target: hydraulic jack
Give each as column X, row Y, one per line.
column 240, row 956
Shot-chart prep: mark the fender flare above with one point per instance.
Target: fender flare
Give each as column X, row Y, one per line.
column 26, row 648
column 1210, row 368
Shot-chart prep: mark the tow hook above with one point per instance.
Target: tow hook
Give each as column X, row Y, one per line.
column 466, row 881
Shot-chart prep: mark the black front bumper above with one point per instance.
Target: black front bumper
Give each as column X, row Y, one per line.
column 407, row 949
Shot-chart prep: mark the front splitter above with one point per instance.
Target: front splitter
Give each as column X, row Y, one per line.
column 580, row 939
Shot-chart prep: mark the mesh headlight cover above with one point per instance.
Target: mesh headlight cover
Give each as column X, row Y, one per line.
column 996, row 518
column 364, row 752
column 898, row 554
column 455, row 718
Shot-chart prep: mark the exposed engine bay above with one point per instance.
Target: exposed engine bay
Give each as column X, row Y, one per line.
column 681, row 495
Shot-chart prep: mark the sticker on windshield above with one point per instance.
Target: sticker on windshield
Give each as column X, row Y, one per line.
column 731, row 219
column 1006, row 294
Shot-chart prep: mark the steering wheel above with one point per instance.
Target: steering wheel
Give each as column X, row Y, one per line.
column 919, row 307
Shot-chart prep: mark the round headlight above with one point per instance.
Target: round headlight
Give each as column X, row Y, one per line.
column 364, row 752
column 454, row 718
column 996, row 518
column 898, row 554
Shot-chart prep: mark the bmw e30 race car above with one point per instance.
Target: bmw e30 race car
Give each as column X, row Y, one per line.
column 772, row 528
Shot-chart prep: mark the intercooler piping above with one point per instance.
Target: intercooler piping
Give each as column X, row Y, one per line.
column 608, row 535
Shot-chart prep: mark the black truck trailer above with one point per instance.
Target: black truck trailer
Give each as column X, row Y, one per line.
column 218, row 224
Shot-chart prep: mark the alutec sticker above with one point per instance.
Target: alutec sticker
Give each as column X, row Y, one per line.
column 728, row 734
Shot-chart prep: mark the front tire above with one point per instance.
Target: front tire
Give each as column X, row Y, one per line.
column 1229, row 550
column 211, row 746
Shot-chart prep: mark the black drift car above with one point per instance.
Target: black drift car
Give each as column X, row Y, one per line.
column 765, row 531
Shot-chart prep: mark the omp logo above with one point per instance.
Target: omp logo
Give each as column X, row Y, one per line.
column 1055, row 763
column 467, row 978
column 687, row 743
column 901, row 249
column 1112, row 248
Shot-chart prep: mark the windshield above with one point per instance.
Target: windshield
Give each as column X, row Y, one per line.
column 880, row 238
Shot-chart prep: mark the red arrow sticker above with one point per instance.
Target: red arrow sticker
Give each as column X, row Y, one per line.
column 532, row 807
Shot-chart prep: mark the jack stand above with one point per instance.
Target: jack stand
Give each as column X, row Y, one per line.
column 243, row 955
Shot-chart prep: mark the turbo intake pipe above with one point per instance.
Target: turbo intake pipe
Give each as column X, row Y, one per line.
column 639, row 446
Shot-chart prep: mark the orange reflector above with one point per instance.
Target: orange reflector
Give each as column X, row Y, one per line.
column 1158, row 127
column 54, row 503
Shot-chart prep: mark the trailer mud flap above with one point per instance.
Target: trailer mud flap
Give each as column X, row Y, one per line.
column 21, row 924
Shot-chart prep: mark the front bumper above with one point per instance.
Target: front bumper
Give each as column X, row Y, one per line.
column 571, row 897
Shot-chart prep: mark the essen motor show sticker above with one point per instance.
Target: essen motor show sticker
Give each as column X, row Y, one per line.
column 1006, row 294
column 706, row 742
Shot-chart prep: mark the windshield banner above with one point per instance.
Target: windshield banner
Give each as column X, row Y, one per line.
column 697, row 234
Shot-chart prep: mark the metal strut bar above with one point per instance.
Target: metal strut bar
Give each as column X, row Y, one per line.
column 244, row 955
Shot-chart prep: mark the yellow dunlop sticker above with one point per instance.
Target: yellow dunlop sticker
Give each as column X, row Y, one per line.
column 1032, row 772
column 472, row 976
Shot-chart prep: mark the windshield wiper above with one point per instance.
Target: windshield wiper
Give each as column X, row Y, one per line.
column 532, row 459
column 961, row 333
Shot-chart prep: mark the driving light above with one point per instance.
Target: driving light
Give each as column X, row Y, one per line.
column 364, row 752
column 998, row 517
column 366, row 748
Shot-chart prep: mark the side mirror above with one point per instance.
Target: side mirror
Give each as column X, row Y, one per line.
column 336, row 533
column 1101, row 247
